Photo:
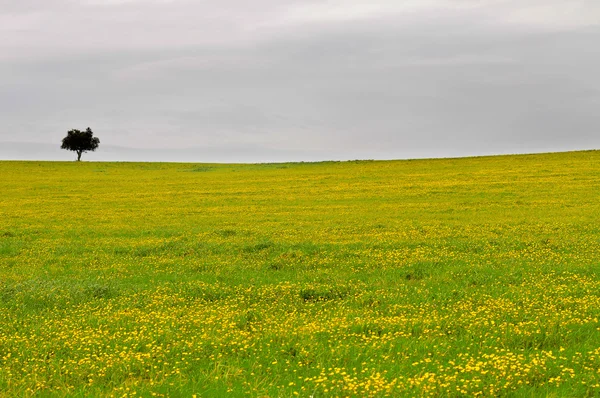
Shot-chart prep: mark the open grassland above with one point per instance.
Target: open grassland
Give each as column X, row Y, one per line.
column 454, row 277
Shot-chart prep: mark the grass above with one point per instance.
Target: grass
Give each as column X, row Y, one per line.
column 449, row 277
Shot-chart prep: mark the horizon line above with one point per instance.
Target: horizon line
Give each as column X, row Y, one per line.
column 314, row 161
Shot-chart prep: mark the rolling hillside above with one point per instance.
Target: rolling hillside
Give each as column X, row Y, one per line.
column 448, row 277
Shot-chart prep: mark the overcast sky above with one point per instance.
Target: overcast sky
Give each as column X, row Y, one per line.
column 273, row 80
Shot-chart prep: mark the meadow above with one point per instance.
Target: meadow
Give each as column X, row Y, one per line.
column 447, row 278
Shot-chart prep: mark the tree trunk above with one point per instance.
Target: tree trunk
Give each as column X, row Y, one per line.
column 79, row 156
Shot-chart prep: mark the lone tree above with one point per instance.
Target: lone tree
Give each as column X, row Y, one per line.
column 80, row 142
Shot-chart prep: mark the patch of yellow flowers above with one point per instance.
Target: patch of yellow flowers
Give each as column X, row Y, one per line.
column 468, row 277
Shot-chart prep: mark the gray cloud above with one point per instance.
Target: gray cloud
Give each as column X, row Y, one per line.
column 313, row 79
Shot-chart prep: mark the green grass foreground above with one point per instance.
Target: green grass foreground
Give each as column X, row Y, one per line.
column 450, row 277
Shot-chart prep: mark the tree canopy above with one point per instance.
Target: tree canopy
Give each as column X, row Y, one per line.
column 80, row 142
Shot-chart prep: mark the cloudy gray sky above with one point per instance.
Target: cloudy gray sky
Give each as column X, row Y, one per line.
column 274, row 80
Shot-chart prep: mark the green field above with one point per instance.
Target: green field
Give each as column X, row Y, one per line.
column 449, row 277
